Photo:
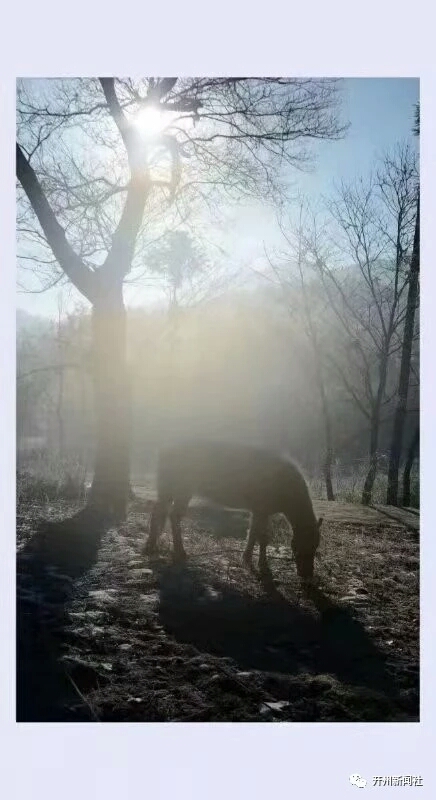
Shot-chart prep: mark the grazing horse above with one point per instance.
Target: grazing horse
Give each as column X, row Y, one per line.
column 236, row 476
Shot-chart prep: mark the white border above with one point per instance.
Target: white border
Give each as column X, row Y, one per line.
column 237, row 760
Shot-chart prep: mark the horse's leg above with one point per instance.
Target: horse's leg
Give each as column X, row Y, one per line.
column 257, row 526
column 177, row 513
column 157, row 523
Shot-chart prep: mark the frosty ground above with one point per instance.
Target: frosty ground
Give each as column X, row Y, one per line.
column 105, row 634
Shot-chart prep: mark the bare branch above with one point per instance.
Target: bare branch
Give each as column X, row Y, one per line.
column 79, row 274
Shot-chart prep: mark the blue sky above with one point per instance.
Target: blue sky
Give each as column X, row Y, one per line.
column 381, row 113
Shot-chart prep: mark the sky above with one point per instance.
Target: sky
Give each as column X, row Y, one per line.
column 381, row 114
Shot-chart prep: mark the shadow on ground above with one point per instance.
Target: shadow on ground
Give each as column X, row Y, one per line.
column 222, row 523
column 205, row 642
column 57, row 554
column 269, row 633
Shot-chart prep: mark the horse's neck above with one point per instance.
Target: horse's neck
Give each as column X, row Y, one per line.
column 300, row 513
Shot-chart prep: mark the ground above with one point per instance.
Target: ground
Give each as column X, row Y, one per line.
column 105, row 634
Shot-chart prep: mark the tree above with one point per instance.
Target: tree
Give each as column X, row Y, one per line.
column 295, row 259
column 410, row 457
column 404, row 378
column 182, row 268
column 376, row 222
column 87, row 155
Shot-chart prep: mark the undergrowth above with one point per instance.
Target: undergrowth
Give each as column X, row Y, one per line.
column 46, row 478
column 347, row 486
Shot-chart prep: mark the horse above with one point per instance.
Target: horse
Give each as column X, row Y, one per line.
column 238, row 476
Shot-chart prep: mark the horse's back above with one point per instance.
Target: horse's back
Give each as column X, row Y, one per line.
column 231, row 474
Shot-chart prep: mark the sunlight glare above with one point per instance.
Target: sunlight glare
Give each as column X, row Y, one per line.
column 150, row 121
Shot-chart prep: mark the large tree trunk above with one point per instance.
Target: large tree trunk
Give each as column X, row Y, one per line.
column 110, row 488
column 403, row 383
column 411, row 455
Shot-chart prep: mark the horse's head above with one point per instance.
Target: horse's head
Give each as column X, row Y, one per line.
column 304, row 546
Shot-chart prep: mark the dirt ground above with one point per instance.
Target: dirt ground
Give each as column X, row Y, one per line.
column 104, row 634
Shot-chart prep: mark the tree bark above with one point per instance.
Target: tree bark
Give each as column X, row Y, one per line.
column 111, row 484
column 411, row 455
column 403, row 383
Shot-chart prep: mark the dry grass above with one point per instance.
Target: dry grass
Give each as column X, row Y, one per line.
column 348, row 483
column 42, row 478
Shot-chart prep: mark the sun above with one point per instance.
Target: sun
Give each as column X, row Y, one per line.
column 150, row 121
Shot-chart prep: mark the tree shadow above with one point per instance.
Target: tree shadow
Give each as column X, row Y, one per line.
column 270, row 633
column 71, row 545
column 57, row 554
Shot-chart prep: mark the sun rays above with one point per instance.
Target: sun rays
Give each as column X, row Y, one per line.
column 150, row 121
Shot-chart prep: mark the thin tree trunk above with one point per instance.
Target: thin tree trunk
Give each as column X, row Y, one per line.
column 375, row 426
column 374, row 435
column 59, row 413
column 328, row 438
column 110, row 487
column 312, row 334
column 61, row 378
column 373, row 459
column 403, row 383
column 411, row 455
column 328, row 474
column 328, row 433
